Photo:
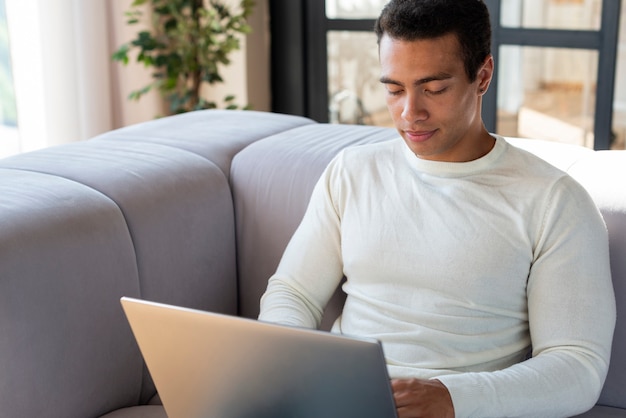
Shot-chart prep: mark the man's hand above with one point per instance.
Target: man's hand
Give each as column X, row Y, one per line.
column 417, row 398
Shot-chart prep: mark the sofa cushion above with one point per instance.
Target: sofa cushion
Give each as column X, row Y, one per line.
column 603, row 412
column 65, row 257
column 177, row 208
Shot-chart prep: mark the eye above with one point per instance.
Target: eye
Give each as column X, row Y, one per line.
column 436, row 92
column 394, row 92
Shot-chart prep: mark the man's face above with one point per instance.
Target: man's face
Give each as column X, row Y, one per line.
column 433, row 104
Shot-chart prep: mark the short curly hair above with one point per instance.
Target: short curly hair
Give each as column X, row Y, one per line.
column 410, row 20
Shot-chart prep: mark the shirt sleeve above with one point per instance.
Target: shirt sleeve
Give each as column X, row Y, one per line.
column 311, row 267
column 571, row 308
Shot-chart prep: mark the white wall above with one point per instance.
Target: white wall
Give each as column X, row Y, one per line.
column 128, row 78
column 258, row 67
column 248, row 75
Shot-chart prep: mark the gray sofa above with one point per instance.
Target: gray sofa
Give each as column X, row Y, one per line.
column 191, row 210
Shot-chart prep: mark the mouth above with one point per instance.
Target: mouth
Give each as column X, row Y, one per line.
column 419, row 136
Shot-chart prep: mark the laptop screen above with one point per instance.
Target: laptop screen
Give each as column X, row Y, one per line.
column 213, row 365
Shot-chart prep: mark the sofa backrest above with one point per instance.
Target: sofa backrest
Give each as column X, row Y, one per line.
column 145, row 211
column 65, row 255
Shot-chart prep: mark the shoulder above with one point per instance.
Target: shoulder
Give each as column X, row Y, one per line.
column 538, row 173
column 529, row 162
column 564, row 198
column 560, row 157
column 541, row 173
column 536, row 167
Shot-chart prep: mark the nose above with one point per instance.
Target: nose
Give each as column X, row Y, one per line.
column 414, row 109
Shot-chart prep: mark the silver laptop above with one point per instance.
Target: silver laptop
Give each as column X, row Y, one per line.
column 208, row 365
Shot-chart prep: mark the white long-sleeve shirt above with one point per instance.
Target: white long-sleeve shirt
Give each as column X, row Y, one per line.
column 460, row 270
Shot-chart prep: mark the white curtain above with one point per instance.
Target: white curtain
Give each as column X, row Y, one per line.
column 67, row 89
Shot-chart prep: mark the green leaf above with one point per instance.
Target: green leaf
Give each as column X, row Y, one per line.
column 163, row 10
column 170, row 24
column 170, row 83
column 133, row 16
column 212, row 78
column 189, row 40
column 136, row 95
column 146, row 41
column 121, row 54
column 146, row 59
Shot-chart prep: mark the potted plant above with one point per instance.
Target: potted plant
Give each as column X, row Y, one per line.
column 189, row 42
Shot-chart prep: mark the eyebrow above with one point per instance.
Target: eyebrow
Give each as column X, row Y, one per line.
column 436, row 77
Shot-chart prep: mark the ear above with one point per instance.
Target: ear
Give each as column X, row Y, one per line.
column 485, row 74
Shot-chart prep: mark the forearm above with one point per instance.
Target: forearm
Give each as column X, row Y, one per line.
column 311, row 267
column 305, row 280
column 282, row 304
column 554, row 384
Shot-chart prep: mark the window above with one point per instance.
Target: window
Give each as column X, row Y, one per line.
column 561, row 67
column 8, row 112
column 556, row 70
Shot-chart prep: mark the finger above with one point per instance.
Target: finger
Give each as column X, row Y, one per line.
column 403, row 393
column 403, row 398
column 402, row 384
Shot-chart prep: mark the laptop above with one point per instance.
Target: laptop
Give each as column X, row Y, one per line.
column 208, row 365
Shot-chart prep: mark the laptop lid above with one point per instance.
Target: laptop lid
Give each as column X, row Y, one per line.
column 217, row 366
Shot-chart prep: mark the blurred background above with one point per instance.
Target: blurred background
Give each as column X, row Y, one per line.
column 561, row 68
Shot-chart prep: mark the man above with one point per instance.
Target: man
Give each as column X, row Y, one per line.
column 483, row 270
